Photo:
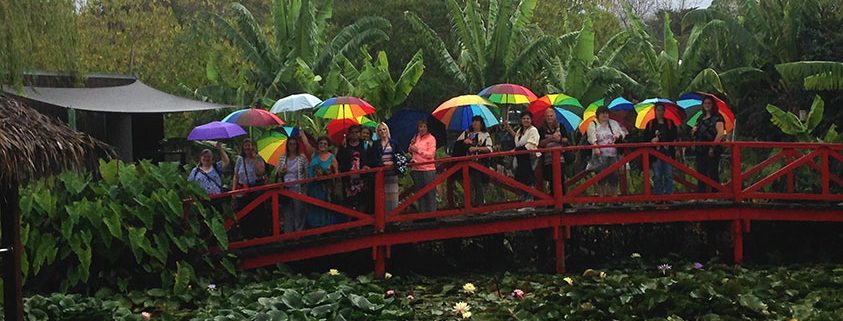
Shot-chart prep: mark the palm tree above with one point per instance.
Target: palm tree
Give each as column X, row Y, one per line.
column 495, row 46
column 298, row 45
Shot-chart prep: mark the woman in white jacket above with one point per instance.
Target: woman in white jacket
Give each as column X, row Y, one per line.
column 526, row 138
column 605, row 131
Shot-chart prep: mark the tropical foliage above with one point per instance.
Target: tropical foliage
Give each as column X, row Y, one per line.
column 496, row 46
column 790, row 123
column 127, row 229
column 282, row 62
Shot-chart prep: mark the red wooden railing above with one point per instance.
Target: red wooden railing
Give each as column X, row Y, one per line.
column 754, row 172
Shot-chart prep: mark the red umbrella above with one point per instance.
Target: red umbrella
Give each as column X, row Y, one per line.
column 337, row 128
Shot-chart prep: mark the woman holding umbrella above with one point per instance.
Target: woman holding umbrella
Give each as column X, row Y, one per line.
column 662, row 130
column 709, row 128
column 604, row 131
column 250, row 168
column 292, row 166
column 526, row 138
column 208, row 174
column 478, row 141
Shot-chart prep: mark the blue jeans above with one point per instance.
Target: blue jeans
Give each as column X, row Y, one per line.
column 662, row 177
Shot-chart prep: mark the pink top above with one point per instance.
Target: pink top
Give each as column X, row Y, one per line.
column 426, row 152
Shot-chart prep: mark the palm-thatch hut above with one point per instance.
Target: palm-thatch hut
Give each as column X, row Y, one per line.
column 32, row 145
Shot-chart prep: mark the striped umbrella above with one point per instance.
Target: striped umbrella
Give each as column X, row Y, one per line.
column 253, row 117
column 456, row 113
column 344, row 107
column 620, row 110
column 646, row 112
column 508, row 94
column 568, row 110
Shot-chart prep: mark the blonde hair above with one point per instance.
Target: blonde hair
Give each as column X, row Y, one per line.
column 388, row 134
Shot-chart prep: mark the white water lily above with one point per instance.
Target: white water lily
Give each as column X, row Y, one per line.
column 469, row 288
column 461, row 308
column 333, row 272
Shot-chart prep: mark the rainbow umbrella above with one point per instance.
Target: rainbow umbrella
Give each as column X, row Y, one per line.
column 337, row 128
column 620, row 110
column 692, row 103
column 344, row 107
column 646, row 112
column 508, row 94
column 568, row 110
column 456, row 113
column 253, row 117
column 274, row 144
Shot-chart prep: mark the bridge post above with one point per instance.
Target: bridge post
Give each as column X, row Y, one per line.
column 737, row 241
column 645, row 172
column 557, row 179
column 466, row 185
column 380, row 202
column 379, row 256
column 559, row 235
column 737, row 175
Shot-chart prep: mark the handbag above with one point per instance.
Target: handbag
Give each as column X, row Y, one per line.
column 400, row 164
column 596, row 163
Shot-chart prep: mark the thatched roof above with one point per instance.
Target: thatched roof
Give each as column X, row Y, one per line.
column 33, row 145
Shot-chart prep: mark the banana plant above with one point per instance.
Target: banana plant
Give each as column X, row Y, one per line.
column 673, row 71
column 300, row 45
column 814, row 75
column 495, row 46
column 790, row 124
column 588, row 75
column 373, row 82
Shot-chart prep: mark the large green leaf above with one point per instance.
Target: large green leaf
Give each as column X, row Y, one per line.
column 815, row 115
column 821, row 75
column 218, row 230
column 787, row 122
column 184, row 273
column 436, row 47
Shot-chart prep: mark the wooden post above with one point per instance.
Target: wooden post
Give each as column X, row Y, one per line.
column 10, row 241
column 737, row 175
column 559, row 236
column 737, row 241
column 276, row 219
column 557, row 178
column 466, row 186
column 379, row 255
column 380, row 202
column 645, row 172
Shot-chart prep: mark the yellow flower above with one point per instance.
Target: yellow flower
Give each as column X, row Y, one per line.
column 568, row 280
column 635, row 255
column 333, row 272
column 466, row 315
column 602, row 275
column 387, row 276
column 469, row 288
column 461, row 308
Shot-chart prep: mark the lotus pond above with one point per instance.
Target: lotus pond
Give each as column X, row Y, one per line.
column 638, row 291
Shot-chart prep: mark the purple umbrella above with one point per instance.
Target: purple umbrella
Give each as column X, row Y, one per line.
column 216, row 130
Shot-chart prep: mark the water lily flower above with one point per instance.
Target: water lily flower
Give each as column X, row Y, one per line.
column 518, row 294
column 387, row 276
column 390, row 293
column 461, row 308
column 333, row 272
column 635, row 255
column 212, row 286
column 466, row 315
column 410, row 297
column 602, row 275
column 698, row 265
column 664, row 268
column 146, row 315
column 568, row 280
column 469, row 288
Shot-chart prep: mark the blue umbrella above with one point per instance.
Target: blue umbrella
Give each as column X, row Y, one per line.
column 402, row 127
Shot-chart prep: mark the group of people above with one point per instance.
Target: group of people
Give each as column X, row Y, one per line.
column 359, row 152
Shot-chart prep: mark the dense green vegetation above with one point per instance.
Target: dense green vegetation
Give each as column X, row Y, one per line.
column 637, row 290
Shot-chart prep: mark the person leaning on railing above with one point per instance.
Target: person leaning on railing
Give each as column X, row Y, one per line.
column 551, row 135
column 423, row 150
column 526, row 138
column 710, row 128
column 476, row 141
column 605, row 131
column 250, row 171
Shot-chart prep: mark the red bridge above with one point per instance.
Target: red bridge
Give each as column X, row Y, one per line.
column 765, row 181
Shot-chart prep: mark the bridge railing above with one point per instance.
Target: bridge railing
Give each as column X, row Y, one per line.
column 748, row 172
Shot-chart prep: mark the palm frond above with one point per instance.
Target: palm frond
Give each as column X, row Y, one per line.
column 249, row 28
column 706, row 80
column 436, row 47
column 671, row 45
column 325, row 13
column 523, row 14
column 351, row 38
column 409, row 78
column 816, row 75
column 528, row 56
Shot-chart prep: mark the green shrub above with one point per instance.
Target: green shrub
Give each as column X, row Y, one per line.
column 129, row 227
